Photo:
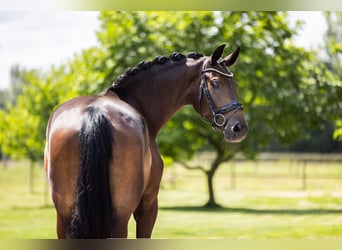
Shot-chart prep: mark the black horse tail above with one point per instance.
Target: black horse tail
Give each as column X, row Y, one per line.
column 92, row 214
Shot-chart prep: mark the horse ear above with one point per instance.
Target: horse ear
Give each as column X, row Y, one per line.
column 217, row 54
column 231, row 58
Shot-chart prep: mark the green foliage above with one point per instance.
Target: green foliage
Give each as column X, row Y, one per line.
column 18, row 140
column 3, row 99
column 180, row 131
column 333, row 47
column 130, row 37
column 23, row 125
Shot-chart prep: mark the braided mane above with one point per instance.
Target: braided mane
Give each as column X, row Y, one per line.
column 159, row 60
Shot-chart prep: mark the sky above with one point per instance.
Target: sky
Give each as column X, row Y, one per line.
column 39, row 39
column 312, row 32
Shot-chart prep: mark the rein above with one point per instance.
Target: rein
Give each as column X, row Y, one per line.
column 218, row 122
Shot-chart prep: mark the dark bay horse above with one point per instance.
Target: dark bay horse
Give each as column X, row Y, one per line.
column 101, row 154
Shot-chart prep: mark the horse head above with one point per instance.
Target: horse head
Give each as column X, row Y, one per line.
column 218, row 101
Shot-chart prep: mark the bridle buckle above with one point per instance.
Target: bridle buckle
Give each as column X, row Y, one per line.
column 219, row 120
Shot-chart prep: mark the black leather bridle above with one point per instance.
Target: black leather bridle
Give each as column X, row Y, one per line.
column 218, row 122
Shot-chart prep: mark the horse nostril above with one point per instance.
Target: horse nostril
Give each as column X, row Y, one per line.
column 236, row 128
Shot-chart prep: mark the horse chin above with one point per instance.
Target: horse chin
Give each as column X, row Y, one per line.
column 233, row 139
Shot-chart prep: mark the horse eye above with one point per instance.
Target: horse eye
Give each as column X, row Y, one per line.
column 215, row 83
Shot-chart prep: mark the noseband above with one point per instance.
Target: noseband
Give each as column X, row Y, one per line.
column 219, row 121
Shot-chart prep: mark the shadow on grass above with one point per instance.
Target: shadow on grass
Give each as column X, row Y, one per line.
column 220, row 209
column 41, row 207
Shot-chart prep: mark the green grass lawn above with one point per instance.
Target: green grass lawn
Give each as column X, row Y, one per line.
column 267, row 201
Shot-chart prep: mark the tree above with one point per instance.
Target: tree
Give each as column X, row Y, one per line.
column 3, row 99
column 333, row 48
column 22, row 124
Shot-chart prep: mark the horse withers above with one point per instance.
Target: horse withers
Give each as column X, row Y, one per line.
column 101, row 154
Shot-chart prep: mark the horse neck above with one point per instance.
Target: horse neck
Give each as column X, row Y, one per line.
column 159, row 96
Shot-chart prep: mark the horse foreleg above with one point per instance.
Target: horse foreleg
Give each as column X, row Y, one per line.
column 120, row 224
column 62, row 226
column 145, row 217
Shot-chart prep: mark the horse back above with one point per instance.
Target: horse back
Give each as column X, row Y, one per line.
column 66, row 121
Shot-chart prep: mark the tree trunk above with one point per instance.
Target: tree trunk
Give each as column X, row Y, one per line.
column 220, row 158
column 31, row 177
column 210, row 181
column 210, row 176
column 4, row 161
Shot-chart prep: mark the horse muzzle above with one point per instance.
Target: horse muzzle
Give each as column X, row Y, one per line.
column 235, row 131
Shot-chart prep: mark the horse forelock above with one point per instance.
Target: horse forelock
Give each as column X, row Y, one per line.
column 159, row 60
